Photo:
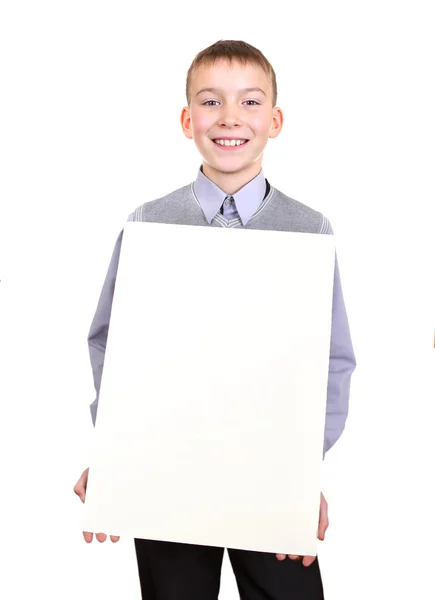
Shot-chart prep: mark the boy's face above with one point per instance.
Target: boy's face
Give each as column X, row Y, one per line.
column 230, row 111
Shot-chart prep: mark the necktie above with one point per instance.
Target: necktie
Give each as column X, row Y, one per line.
column 226, row 202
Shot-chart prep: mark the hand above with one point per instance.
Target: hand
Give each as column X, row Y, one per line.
column 80, row 490
column 323, row 526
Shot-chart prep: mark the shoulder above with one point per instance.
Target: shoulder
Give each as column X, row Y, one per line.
column 307, row 218
column 168, row 204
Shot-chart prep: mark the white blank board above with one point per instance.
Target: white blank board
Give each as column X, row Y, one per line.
column 211, row 415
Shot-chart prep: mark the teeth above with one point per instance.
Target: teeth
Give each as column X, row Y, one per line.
column 230, row 142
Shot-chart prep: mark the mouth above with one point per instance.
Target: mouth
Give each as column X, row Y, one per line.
column 234, row 148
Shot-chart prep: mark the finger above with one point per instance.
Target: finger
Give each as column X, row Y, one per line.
column 308, row 560
column 101, row 537
column 280, row 556
column 323, row 519
column 114, row 538
column 80, row 491
column 323, row 526
column 88, row 536
column 294, row 556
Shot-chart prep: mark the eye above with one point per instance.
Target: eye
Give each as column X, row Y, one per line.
column 206, row 103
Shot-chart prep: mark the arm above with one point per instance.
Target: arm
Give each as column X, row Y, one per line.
column 342, row 364
column 97, row 336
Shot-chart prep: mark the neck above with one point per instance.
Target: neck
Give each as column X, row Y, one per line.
column 232, row 182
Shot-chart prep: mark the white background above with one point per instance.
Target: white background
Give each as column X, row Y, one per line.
column 91, row 95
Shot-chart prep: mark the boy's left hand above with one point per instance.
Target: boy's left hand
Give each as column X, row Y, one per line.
column 323, row 526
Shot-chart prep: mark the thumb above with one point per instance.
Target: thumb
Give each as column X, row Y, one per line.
column 323, row 526
column 80, row 491
column 81, row 485
column 80, row 494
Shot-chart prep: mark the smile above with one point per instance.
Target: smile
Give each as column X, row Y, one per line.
column 232, row 145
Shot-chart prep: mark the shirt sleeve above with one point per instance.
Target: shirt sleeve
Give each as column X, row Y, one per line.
column 342, row 364
column 97, row 336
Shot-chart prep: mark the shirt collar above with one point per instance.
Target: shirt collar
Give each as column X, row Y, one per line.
column 247, row 199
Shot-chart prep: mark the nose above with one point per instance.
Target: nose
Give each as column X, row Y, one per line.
column 229, row 118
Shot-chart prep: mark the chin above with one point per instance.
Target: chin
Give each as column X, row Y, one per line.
column 231, row 168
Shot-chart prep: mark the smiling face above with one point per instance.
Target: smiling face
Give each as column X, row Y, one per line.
column 231, row 101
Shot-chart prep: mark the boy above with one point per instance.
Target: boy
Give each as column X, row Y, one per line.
column 231, row 95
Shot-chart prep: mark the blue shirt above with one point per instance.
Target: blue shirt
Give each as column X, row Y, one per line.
column 242, row 204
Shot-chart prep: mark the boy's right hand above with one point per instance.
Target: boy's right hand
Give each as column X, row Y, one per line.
column 80, row 490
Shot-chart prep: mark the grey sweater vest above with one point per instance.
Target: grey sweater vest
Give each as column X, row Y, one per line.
column 277, row 212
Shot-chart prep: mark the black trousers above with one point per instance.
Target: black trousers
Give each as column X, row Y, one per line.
column 170, row 571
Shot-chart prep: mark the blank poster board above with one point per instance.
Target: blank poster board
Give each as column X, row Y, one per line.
column 211, row 415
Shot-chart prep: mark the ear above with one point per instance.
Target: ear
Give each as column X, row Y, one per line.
column 277, row 122
column 185, row 121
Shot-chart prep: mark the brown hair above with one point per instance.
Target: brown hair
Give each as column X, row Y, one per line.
column 232, row 50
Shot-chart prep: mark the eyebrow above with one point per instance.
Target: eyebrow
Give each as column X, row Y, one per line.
column 217, row 90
